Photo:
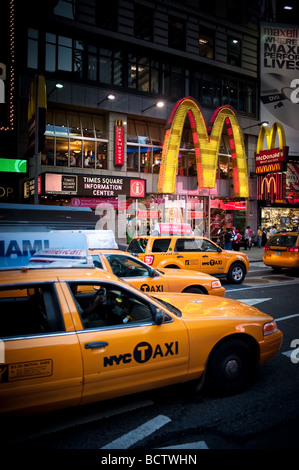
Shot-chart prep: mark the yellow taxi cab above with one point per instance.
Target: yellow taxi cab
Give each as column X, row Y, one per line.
column 282, row 250
column 106, row 255
column 193, row 253
column 71, row 336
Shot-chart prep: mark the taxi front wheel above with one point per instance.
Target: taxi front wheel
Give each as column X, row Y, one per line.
column 236, row 273
column 230, row 367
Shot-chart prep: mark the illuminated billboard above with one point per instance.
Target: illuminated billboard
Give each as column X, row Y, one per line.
column 206, row 145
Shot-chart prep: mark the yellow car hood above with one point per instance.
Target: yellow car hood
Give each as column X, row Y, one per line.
column 207, row 306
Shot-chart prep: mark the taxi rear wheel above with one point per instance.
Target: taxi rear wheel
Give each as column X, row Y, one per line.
column 230, row 367
column 236, row 273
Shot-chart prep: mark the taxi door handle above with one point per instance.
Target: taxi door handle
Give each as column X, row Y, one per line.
column 205, row 256
column 180, row 256
column 96, row 344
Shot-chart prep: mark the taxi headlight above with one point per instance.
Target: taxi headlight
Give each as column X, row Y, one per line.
column 270, row 328
column 215, row 284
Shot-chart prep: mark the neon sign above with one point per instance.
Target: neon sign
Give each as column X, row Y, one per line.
column 206, row 146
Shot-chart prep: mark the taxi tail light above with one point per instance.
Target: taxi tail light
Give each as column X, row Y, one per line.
column 267, row 248
column 149, row 259
column 293, row 249
column 215, row 284
column 270, row 328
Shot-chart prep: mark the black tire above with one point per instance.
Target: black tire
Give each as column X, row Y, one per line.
column 195, row 290
column 230, row 367
column 236, row 273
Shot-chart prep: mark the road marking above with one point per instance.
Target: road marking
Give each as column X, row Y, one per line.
column 261, row 286
column 189, row 445
column 254, row 301
column 146, row 429
column 287, row 317
column 288, row 353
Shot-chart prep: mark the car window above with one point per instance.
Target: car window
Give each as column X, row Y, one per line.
column 29, row 310
column 282, row 240
column 137, row 245
column 108, row 305
column 97, row 261
column 126, row 266
column 161, row 245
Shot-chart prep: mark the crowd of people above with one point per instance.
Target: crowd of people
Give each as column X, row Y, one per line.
column 231, row 238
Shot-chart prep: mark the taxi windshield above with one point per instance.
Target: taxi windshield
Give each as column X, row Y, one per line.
column 282, row 240
column 137, row 245
column 170, row 307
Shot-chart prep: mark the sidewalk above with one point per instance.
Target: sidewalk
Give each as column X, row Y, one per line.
column 254, row 254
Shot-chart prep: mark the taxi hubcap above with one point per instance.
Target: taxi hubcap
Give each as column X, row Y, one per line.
column 237, row 274
column 232, row 368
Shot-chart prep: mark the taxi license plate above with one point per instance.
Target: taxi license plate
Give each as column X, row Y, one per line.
column 278, row 252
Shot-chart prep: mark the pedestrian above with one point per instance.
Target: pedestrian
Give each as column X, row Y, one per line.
column 272, row 230
column 259, row 237
column 246, row 238
column 228, row 239
column 264, row 236
column 237, row 241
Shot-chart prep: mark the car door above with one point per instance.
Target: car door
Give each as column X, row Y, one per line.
column 212, row 261
column 137, row 273
column 128, row 356
column 40, row 364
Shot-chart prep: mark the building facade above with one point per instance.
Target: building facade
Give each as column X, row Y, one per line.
column 95, row 150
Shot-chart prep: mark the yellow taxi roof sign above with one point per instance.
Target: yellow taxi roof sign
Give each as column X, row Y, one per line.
column 95, row 239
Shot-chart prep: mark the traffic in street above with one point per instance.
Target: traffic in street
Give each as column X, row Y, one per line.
column 265, row 416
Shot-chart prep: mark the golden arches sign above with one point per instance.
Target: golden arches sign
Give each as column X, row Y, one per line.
column 276, row 129
column 206, row 146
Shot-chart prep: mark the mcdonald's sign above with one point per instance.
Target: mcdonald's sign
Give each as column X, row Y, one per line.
column 271, row 187
column 274, row 158
column 206, row 145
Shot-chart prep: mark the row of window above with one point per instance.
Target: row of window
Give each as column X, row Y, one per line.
column 124, row 69
column 106, row 17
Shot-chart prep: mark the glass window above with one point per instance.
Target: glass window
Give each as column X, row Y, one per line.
column 78, row 58
column 206, row 43
column 107, row 14
column 105, row 305
column 105, row 66
column 234, row 51
column 177, row 33
column 88, row 154
column 29, row 310
column 62, row 152
column 127, row 266
column 76, row 153
column 161, row 245
column 64, row 54
column 47, row 156
column 92, row 73
column 99, row 124
column 65, row 8
column 101, row 155
column 32, row 57
column 87, row 125
column 74, row 125
column 143, row 22
column 146, row 159
column 118, row 68
column 50, row 52
column 132, row 158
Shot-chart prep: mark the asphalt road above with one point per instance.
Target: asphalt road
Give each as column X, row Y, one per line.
column 180, row 419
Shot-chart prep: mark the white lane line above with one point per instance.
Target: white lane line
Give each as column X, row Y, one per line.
column 139, row 433
column 287, row 317
column 261, row 286
column 288, row 353
column 189, row 445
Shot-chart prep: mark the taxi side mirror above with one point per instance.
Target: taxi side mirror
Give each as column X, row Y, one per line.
column 159, row 317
